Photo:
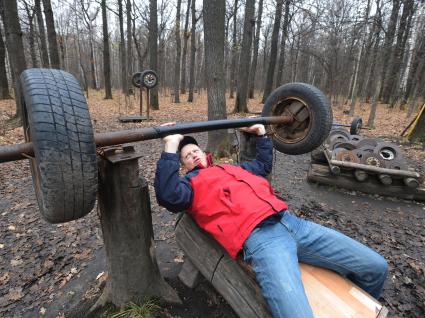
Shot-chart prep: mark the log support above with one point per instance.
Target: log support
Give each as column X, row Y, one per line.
column 125, row 215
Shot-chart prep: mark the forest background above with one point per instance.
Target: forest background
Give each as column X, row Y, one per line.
column 356, row 51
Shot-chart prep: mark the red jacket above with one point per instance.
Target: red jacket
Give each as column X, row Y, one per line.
column 225, row 200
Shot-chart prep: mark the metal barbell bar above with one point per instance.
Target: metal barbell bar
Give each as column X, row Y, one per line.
column 25, row 150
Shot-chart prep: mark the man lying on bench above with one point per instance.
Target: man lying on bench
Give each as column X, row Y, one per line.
column 238, row 207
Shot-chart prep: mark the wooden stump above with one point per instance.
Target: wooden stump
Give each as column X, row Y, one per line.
column 125, row 216
column 329, row 294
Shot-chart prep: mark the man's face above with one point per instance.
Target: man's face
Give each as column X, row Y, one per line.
column 191, row 155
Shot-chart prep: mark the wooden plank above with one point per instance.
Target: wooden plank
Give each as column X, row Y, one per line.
column 241, row 291
column 383, row 313
column 330, row 295
column 338, row 296
column 321, row 174
column 202, row 249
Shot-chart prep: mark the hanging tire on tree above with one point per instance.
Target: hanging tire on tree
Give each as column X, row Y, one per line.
column 57, row 122
column 312, row 113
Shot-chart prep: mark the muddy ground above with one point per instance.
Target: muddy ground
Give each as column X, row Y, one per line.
column 49, row 270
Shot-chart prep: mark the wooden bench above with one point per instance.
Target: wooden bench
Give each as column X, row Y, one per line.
column 329, row 294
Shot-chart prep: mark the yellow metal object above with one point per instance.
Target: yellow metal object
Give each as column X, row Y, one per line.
column 413, row 125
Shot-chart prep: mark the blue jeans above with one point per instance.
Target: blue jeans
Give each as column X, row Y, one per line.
column 279, row 242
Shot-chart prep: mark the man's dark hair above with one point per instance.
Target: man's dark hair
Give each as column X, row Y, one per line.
column 186, row 141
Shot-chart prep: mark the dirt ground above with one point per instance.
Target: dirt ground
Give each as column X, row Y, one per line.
column 47, row 270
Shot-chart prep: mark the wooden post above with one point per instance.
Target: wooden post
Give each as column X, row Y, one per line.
column 148, row 102
column 141, row 100
column 125, row 215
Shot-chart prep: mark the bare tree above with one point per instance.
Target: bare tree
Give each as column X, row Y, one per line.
column 122, row 50
column 186, row 36
column 42, row 34
column 273, row 50
column 391, row 88
column 15, row 47
column 245, row 59
column 31, row 36
column 389, row 38
column 106, row 55
column 4, row 86
column 357, row 67
column 178, row 55
column 285, row 25
column 253, row 68
column 218, row 141
column 192, row 52
column 129, row 52
column 234, row 52
column 89, row 18
column 153, row 48
column 51, row 34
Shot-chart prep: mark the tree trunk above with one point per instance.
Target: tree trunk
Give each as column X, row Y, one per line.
column 234, row 53
column 122, row 50
column 129, row 52
column 371, row 74
column 192, row 53
column 15, row 47
column 178, row 55
column 214, row 11
column 273, row 51
column 245, row 59
column 4, row 86
column 42, row 34
column 185, row 39
column 153, row 49
column 372, row 114
column 418, row 54
column 285, row 25
column 92, row 61
column 391, row 84
column 356, row 72
column 253, row 71
column 389, row 38
column 51, row 35
column 106, row 57
column 31, row 35
column 125, row 215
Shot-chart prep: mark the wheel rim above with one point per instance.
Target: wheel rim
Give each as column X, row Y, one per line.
column 149, row 79
column 300, row 127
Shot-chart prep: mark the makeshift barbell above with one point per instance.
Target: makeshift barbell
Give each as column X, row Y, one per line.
column 61, row 144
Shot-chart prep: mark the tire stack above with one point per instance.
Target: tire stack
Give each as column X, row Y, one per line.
column 345, row 147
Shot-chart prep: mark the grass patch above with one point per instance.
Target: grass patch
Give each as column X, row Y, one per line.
column 148, row 309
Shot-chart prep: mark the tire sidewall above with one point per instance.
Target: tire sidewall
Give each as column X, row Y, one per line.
column 320, row 115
